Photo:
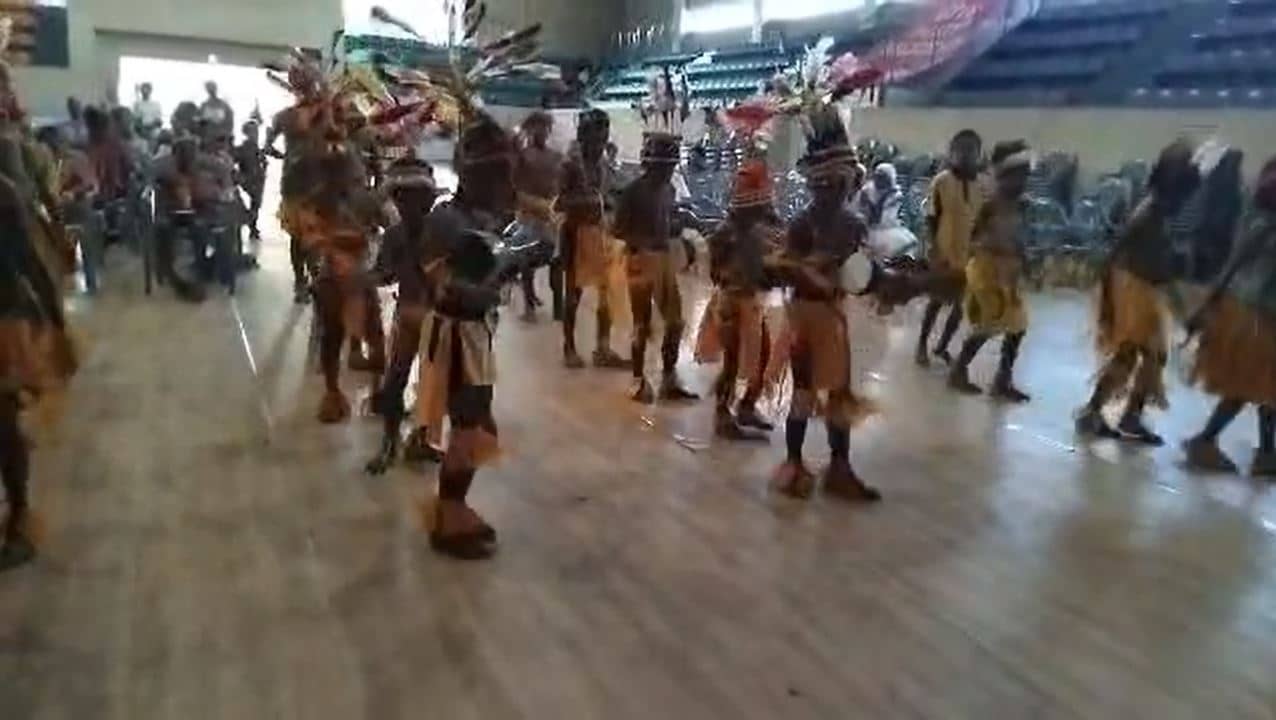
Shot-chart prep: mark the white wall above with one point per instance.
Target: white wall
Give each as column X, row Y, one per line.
column 101, row 30
column 571, row 28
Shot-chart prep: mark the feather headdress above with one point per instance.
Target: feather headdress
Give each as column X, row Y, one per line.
column 750, row 122
column 10, row 110
column 664, row 110
column 6, row 34
column 811, row 91
column 453, row 89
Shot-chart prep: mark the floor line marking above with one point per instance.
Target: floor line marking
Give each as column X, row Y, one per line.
column 263, row 407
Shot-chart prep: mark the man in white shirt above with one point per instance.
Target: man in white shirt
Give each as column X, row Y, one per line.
column 216, row 113
column 148, row 113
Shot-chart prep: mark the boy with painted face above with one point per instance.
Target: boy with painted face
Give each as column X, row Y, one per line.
column 582, row 256
column 735, row 316
column 643, row 219
column 1134, row 304
column 819, row 242
column 536, row 177
column 410, row 183
column 459, row 366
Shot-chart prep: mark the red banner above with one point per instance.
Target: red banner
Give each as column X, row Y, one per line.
column 945, row 31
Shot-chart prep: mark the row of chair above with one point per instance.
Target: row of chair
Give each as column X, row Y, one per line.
column 1092, row 14
column 1064, row 66
column 1026, row 40
column 1204, row 97
column 1251, row 8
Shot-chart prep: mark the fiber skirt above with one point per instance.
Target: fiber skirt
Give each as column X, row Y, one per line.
column 994, row 303
column 1237, row 354
column 35, row 358
column 1132, row 313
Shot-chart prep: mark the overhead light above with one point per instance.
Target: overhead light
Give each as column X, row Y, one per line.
column 212, row 59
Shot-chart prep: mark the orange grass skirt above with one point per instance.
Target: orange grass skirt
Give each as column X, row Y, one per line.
column 1237, row 355
column 820, row 331
column 1131, row 313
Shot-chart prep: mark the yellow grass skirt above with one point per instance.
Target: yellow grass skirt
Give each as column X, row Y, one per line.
column 1237, row 355
column 994, row 304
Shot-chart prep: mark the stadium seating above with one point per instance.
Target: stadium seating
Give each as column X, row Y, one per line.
column 1063, row 49
column 1231, row 63
column 1146, row 53
column 721, row 77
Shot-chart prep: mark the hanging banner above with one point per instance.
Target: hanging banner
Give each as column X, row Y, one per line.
column 947, row 30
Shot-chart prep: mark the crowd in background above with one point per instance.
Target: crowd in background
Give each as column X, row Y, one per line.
column 123, row 171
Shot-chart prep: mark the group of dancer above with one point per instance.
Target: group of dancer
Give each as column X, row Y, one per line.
column 822, row 259
column 451, row 257
column 976, row 269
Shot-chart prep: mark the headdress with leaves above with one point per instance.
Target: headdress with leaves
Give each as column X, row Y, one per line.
column 453, row 90
column 9, row 107
column 812, row 91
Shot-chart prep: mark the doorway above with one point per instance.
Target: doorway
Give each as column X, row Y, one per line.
column 245, row 88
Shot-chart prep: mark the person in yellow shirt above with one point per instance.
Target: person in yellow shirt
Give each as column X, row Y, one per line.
column 994, row 302
column 955, row 199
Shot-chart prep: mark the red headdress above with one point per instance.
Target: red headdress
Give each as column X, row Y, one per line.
column 750, row 121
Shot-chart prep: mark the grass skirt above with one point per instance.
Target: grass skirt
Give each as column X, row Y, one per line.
column 821, row 331
column 994, row 304
column 1237, row 354
column 1131, row 312
column 35, row 358
column 455, row 353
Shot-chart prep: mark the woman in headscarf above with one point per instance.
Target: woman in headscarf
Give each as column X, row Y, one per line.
column 36, row 356
column 878, row 204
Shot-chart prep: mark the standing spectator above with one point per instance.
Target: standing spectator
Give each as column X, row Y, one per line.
column 217, row 113
column 185, row 119
column 149, row 114
column 250, row 160
column 125, row 125
column 74, row 130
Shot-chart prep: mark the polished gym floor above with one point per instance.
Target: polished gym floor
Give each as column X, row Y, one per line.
column 210, row 551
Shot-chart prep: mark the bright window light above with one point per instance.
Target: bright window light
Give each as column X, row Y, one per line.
column 716, row 18
column 798, row 9
column 427, row 18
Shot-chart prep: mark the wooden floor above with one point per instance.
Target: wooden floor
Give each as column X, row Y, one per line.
column 212, row 552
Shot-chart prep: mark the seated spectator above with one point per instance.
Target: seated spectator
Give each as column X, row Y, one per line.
column 878, row 203
column 108, row 157
column 182, row 199
column 74, row 180
column 74, row 129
